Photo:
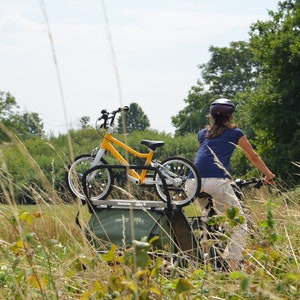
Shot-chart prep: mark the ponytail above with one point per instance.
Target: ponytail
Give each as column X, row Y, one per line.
column 218, row 124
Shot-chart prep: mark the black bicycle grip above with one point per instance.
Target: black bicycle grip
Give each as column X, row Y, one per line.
column 125, row 109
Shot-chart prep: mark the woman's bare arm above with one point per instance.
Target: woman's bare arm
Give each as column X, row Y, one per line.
column 255, row 159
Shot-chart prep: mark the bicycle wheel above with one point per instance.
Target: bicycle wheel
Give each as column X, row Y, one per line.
column 99, row 186
column 182, row 178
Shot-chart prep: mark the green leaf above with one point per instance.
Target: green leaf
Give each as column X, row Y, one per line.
column 183, row 285
column 245, row 280
column 245, row 283
column 110, row 255
column 142, row 259
column 232, row 213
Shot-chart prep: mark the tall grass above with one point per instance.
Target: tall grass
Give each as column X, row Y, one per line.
column 45, row 255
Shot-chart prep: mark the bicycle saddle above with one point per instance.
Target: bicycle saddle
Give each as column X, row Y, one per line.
column 152, row 144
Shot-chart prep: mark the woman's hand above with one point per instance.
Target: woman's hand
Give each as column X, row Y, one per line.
column 270, row 180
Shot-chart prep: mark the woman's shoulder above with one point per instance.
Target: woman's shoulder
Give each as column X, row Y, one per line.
column 203, row 130
column 237, row 131
column 201, row 134
column 235, row 128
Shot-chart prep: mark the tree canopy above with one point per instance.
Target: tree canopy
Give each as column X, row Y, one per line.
column 23, row 124
column 84, row 121
column 230, row 70
column 29, row 124
column 134, row 119
column 275, row 106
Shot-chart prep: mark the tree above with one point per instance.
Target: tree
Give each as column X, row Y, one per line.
column 7, row 105
column 134, row 119
column 84, row 122
column 29, row 124
column 230, row 71
column 24, row 125
column 7, row 114
column 275, row 106
column 193, row 116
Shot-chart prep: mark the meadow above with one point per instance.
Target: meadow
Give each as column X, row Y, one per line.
column 45, row 255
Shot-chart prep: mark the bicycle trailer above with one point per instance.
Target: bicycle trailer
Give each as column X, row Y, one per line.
column 120, row 222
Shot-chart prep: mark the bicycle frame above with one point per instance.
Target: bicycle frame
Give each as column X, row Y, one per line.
column 107, row 145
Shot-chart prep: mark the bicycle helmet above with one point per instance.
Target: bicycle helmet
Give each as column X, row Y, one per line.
column 222, row 107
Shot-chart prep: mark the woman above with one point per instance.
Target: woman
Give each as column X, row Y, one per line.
column 217, row 143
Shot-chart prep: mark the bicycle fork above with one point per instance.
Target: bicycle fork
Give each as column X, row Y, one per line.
column 95, row 162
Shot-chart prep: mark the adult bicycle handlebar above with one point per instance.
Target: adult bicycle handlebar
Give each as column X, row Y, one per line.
column 256, row 183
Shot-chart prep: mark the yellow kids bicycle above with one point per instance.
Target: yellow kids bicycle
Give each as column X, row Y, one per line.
column 180, row 175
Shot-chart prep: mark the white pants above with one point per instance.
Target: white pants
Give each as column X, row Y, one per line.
column 224, row 198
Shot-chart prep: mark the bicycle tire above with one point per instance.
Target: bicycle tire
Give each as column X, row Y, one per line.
column 99, row 187
column 185, row 185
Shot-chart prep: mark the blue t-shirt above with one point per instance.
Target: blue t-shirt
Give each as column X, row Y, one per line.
column 213, row 155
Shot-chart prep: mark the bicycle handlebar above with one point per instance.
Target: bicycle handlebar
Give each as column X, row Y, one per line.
column 105, row 116
column 257, row 183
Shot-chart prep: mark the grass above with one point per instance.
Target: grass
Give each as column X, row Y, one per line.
column 44, row 255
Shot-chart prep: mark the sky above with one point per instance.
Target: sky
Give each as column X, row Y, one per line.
column 65, row 59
